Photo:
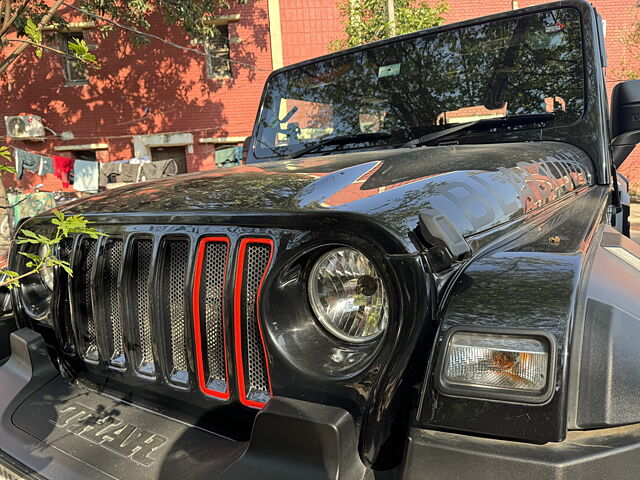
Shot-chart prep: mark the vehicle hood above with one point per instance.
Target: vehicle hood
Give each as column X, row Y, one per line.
column 476, row 186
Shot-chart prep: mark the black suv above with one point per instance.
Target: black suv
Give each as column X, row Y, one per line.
column 420, row 273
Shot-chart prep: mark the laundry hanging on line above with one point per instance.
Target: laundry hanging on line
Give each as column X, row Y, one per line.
column 85, row 176
column 61, row 168
column 27, row 161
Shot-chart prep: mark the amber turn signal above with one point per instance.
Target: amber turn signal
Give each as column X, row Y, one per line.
column 479, row 362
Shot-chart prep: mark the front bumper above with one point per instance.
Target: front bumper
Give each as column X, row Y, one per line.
column 55, row 429
column 63, row 430
column 611, row 453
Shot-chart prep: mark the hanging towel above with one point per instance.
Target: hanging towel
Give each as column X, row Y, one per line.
column 26, row 161
column 86, row 175
column 110, row 173
column 129, row 172
column 46, row 165
column 61, row 168
column 158, row 169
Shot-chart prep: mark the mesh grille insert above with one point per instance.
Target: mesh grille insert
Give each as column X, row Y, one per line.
column 66, row 328
column 142, row 343
column 256, row 262
column 173, row 296
column 88, row 328
column 113, row 254
column 210, row 331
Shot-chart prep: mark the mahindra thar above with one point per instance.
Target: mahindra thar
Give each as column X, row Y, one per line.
column 421, row 272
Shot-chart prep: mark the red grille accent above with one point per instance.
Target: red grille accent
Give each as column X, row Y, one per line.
column 199, row 297
column 246, row 340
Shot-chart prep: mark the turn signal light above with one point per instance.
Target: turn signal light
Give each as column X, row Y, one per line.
column 497, row 366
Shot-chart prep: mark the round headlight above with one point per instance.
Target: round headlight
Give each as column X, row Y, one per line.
column 348, row 296
column 46, row 274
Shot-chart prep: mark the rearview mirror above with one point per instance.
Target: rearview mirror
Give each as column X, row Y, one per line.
column 625, row 119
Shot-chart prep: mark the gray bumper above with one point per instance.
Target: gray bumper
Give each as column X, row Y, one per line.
column 611, row 453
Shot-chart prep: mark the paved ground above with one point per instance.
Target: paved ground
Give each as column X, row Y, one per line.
column 635, row 221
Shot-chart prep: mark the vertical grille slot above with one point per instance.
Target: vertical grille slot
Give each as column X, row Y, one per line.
column 142, row 349
column 208, row 311
column 64, row 325
column 173, row 300
column 110, row 297
column 253, row 373
column 84, row 269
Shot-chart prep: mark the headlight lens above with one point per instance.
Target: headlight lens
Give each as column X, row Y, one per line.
column 348, row 296
column 46, row 274
column 498, row 363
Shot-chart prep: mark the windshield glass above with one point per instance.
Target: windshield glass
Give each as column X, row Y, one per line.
column 523, row 65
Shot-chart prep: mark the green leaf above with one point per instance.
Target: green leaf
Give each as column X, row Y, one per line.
column 31, row 29
column 62, row 264
column 34, row 34
column 31, row 256
column 81, row 51
column 74, row 224
column 5, row 153
column 31, row 237
column 11, row 279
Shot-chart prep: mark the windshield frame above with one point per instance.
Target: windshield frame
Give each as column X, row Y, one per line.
column 582, row 132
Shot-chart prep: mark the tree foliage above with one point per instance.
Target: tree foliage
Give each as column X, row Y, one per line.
column 22, row 22
column 368, row 20
column 36, row 262
column 630, row 39
column 193, row 17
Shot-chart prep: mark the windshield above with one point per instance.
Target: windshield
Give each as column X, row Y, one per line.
column 517, row 66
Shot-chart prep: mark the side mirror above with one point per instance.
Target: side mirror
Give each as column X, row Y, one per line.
column 625, row 119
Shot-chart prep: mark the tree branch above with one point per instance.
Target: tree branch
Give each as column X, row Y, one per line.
column 39, row 45
column 7, row 12
column 7, row 62
column 13, row 17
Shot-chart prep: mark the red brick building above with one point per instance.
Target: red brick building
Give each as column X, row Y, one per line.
column 161, row 101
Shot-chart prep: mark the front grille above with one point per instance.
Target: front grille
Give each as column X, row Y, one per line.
column 134, row 308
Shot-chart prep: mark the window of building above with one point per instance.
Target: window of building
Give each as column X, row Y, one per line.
column 218, row 54
column 88, row 155
column 177, row 154
column 74, row 70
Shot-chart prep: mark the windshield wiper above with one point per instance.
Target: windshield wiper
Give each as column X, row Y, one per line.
column 341, row 140
column 483, row 124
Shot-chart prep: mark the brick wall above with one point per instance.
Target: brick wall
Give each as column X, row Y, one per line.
column 308, row 27
column 169, row 84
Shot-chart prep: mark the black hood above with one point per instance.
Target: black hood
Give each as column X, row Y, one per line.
column 476, row 186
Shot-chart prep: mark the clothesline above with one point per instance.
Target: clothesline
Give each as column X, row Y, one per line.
column 89, row 175
column 31, row 151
